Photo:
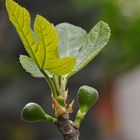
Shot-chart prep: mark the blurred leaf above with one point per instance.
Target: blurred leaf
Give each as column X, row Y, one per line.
column 83, row 4
column 8, row 69
column 47, row 40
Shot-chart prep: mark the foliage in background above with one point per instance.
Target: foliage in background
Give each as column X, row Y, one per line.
column 124, row 19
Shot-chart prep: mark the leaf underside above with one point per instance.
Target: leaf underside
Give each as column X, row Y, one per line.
column 30, row 67
column 81, row 45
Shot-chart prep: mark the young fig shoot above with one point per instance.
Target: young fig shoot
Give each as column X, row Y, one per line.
column 56, row 53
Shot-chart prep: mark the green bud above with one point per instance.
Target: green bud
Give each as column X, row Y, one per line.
column 60, row 100
column 32, row 112
column 87, row 97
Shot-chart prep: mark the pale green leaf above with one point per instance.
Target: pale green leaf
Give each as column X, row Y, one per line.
column 71, row 39
column 30, row 67
column 97, row 38
column 81, row 45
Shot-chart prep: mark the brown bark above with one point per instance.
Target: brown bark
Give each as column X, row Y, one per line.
column 65, row 127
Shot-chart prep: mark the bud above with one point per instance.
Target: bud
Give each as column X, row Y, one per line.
column 32, row 112
column 59, row 109
column 87, row 97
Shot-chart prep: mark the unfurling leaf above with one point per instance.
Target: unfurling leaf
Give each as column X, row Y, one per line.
column 74, row 41
column 42, row 44
column 32, row 112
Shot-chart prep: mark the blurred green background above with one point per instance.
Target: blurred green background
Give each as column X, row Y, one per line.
column 120, row 56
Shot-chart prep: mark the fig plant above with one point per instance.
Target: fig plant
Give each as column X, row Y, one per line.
column 56, row 53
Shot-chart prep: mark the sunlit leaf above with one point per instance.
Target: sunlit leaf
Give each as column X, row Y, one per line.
column 60, row 66
column 47, row 51
column 41, row 45
column 20, row 18
column 71, row 39
column 47, row 40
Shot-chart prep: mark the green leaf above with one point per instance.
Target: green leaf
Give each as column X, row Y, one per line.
column 60, row 66
column 32, row 112
column 30, row 67
column 47, row 40
column 42, row 44
column 47, row 51
column 96, row 40
column 20, row 18
column 87, row 97
column 71, row 39
column 75, row 42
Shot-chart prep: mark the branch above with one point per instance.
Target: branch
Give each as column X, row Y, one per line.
column 65, row 127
